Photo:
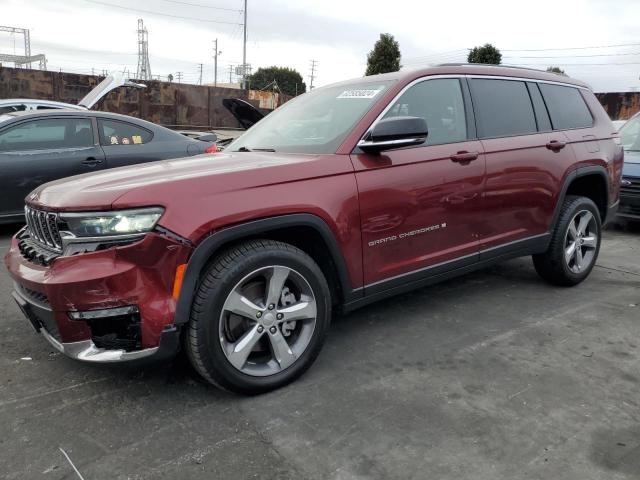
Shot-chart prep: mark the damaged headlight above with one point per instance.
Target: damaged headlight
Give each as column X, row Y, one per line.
column 118, row 222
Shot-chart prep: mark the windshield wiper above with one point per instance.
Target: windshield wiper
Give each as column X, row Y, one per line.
column 245, row 149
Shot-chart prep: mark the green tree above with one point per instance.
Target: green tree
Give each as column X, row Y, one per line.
column 557, row 70
column 289, row 80
column 485, row 54
column 385, row 56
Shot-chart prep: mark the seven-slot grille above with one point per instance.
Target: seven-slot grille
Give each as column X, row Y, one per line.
column 633, row 189
column 43, row 228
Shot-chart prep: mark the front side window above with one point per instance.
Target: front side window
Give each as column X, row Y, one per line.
column 566, row 107
column 113, row 132
column 440, row 103
column 47, row 134
column 503, row 108
column 316, row 122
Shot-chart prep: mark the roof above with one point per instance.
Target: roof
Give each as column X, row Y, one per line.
column 471, row 69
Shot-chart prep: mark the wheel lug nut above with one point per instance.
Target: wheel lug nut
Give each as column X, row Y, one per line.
column 272, row 329
column 258, row 315
column 272, row 306
column 260, row 329
column 279, row 316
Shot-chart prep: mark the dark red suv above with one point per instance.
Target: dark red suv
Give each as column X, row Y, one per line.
column 343, row 196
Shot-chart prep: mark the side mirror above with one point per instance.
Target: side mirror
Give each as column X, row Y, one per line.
column 395, row 132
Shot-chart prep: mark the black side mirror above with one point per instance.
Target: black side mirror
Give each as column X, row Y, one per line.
column 395, row 132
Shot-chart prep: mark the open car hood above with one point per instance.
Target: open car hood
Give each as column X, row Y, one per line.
column 245, row 113
column 111, row 82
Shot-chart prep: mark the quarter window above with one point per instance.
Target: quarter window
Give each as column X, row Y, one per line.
column 503, row 108
column 113, row 132
column 47, row 134
column 566, row 107
column 440, row 103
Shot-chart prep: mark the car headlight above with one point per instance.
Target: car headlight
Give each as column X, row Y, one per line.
column 118, row 222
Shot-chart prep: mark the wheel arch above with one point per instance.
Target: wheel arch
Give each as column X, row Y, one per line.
column 300, row 229
column 590, row 182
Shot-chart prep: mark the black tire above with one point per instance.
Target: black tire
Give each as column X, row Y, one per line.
column 202, row 341
column 552, row 265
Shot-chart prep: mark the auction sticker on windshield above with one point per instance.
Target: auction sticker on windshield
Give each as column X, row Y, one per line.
column 361, row 93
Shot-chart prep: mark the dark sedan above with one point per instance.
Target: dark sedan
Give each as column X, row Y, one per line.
column 39, row 146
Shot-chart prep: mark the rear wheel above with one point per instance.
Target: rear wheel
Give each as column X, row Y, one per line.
column 259, row 317
column 575, row 244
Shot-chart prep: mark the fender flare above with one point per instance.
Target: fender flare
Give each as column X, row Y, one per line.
column 210, row 245
column 573, row 175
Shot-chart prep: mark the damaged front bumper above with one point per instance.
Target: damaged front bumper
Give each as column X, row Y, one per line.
column 114, row 305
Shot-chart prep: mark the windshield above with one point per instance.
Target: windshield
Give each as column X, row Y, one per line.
column 316, row 122
column 630, row 135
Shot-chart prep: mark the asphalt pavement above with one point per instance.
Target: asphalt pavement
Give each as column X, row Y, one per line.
column 494, row 375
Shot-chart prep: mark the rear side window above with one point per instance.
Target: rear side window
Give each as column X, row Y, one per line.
column 440, row 103
column 503, row 108
column 113, row 132
column 566, row 107
column 47, row 135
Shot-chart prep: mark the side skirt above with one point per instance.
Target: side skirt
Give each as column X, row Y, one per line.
column 444, row 271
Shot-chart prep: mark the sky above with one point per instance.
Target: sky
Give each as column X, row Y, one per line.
column 594, row 40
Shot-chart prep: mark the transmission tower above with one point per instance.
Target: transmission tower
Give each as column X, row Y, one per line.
column 27, row 58
column 144, row 68
column 314, row 65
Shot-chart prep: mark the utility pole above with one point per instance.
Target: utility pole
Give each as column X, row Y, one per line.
column 216, row 52
column 230, row 73
column 143, row 72
column 200, row 68
column 179, row 77
column 314, row 64
column 244, row 48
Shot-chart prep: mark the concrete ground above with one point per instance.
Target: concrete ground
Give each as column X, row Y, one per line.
column 494, row 375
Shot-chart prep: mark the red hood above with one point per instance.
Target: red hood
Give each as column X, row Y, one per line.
column 157, row 183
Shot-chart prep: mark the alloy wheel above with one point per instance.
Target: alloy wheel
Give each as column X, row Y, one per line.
column 267, row 321
column 581, row 241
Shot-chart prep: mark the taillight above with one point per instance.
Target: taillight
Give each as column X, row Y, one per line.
column 212, row 149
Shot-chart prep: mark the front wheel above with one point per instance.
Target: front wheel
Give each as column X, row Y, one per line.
column 575, row 244
column 259, row 317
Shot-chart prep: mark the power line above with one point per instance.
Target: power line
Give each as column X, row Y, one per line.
column 158, row 13
column 571, row 48
column 202, row 6
column 583, row 56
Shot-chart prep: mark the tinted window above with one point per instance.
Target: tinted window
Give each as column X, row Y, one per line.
column 440, row 103
column 566, row 107
column 46, row 134
column 113, row 132
column 542, row 116
column 502, row 107
column 12, row 108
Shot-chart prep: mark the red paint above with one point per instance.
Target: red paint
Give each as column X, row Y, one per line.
column 436, row 207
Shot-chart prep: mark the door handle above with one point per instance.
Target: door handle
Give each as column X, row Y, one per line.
column 464, row 157
column 556, row 145
column 91, row 161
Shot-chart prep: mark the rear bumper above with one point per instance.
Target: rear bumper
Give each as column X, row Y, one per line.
column 69, row 300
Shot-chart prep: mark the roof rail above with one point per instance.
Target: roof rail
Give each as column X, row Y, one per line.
column 488, row 65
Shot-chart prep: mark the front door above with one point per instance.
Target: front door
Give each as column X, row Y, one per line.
column 419, row 205
column 37, row 151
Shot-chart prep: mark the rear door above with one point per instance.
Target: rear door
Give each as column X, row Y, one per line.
column 126, row 143
column 37, row 151
column 526, row 160
column 418, row 204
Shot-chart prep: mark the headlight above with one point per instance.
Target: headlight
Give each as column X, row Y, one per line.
column 119, row 222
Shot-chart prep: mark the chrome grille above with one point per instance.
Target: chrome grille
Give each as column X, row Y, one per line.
column 43, row 228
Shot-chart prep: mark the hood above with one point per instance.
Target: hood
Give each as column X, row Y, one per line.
column 111, row 82
column 631, row 166
column 160, row 183
column 245, row 113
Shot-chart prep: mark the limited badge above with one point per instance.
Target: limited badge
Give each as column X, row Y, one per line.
column 114, row 140
column 136, row 139
column 125, row 141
